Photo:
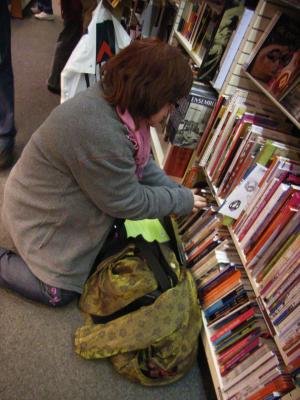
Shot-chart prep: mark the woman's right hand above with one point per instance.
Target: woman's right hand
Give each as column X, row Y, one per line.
column 199, row 201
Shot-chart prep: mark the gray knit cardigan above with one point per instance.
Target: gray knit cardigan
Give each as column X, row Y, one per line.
column 75, row 175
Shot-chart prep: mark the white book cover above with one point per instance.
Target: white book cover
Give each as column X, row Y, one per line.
column 239, row 97
column 251, row 363
column 233, row 48
column 241, row 196
column 254, row 380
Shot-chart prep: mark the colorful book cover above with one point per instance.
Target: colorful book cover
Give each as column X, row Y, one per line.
column 277, row 61
column 280, row 220
column 233, row 323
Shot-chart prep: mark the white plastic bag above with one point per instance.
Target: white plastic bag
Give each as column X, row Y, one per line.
column 82, row 68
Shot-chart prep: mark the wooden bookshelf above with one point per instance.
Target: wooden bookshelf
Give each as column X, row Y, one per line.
column 158, row 146
column 211, row 359
column 276, row 103
column 258, row 99
column 188, row 48
column 17, row 7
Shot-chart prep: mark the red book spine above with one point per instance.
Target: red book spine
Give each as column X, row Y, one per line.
column 279, row 221
column 177, row 161
column 225, row 368
column 233, row 324
column 228, row 354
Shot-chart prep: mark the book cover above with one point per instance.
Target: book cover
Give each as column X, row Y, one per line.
column 232, row 49
column 177, row 160
column 262, row 257
column 238, row 346
column 240, row 356
column 280, row 220
column 212, row 119
column 239, row 333
column 258, row 382
column 233, row 324
column 266, row 215
column 228, row 24
column 187, row 122
column 250, row 364
column 271, row 270
column 239, row 97
column 197, row 243
column 193, row 238
column 277, row 61
column 276, row 174
column 230, row 306
column 223, row 253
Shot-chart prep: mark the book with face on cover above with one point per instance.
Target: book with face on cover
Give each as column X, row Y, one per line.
column 275, row 60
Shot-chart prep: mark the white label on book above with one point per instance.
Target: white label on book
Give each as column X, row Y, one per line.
column 241, row 196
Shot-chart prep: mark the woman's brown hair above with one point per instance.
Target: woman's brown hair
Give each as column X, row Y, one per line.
column 145, row 76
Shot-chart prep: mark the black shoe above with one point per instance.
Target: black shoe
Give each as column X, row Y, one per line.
column 6, row 157
column 54, row 90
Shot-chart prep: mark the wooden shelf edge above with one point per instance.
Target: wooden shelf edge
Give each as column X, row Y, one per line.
column 274, row 101
column 157, row 147
column 188, row 48
column 212, row 363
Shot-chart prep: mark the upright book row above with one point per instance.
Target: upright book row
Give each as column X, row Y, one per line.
column 251, row 159
column 253, row 165
column 249, row 365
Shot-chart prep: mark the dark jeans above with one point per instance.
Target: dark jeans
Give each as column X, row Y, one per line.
column 7, row 123
column 15, row 275
column 45, row 5
column 66, row 42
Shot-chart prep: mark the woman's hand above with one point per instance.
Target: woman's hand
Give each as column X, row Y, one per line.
column 199, row 201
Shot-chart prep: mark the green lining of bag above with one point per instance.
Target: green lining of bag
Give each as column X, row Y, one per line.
column 150, row 229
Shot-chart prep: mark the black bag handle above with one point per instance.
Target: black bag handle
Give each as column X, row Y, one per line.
column 156, row 261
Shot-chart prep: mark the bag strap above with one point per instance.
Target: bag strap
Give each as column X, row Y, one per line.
column 156, row 261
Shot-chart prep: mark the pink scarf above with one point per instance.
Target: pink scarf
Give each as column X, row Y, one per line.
column 140, row 139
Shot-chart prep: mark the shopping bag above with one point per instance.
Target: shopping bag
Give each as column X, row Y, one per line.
column 105, row 37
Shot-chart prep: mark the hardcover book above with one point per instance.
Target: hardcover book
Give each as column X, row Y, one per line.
column 187, row 122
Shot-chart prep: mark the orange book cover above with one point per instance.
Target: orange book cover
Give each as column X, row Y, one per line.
column 281, row 384
column 229, row 283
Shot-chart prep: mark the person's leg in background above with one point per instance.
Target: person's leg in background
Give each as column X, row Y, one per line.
column 46, row 11
column 77, row 15
column 7, row 123
column 15, row 275
column 66, row 42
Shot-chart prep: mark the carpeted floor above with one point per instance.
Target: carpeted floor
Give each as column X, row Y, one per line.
column 36, row 343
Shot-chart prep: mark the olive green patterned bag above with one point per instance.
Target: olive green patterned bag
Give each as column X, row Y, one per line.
column 148, row 327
